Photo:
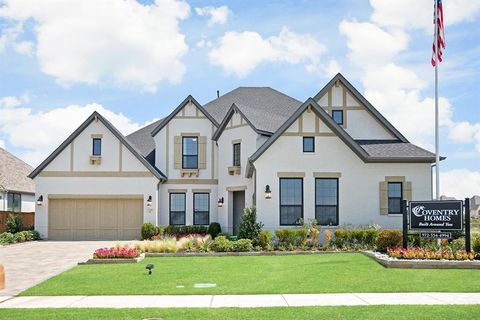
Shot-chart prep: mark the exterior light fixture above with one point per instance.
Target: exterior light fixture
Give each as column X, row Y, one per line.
column 149, row 267
column 220, row 202
column 40, row 200
column 149, row 201
column 268, row 192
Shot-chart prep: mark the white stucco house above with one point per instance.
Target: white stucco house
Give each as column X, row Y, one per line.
column 333, row 157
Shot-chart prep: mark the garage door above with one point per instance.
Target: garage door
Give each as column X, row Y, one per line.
column 95, row 219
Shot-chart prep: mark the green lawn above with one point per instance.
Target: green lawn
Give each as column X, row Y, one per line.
column 314, row 313
column 321, row 273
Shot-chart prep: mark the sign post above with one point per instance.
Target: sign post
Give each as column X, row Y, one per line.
column 468, row 245
column 405, row 224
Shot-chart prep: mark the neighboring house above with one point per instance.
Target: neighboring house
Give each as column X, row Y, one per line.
column 333, row 157
column 475, row 207
column 17, row 190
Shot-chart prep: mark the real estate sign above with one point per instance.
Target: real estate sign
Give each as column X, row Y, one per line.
column 436, row 215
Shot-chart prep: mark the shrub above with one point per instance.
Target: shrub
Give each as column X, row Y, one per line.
column 388, row 239
column 184, row 231
column 358, row 238
column 28, row 235
column 476, row 244
column 20, row 237
column 214, row 229
column 14, row 223
column 7, row 237
column 204, row 244
column 243, row 245
column 222, row 244
column 116, row 252
column 164, row 245
column 328, row 237
column 264, row 239
column 249, row 228
column 148, row 231
column 291, row 237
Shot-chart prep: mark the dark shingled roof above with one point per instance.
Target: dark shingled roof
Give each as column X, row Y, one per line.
column 142, row 139
column 267, row 109
column 14, row 174
column 394, row 149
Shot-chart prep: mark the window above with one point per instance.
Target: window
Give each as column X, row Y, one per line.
column 201, row 208
column 97, row 147
column 337, row 116
column 190, row 153
column 14, row 202
column 236, row 154
column 177, row 208
column 395, row 197
column 326, row 201
column 291, row 201
column 308, row 144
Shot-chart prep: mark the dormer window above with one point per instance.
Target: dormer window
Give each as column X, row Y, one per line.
column 337, row 116
column 97, row 147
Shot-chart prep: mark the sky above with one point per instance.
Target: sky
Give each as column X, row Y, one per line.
column 135, row 61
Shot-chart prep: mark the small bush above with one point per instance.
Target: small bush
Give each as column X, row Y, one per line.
column 29, row 235
column 243, row 245
column 165, row 245
column 264, row 239
column 222, row 244
column 148, row 231
column 249, row 228
column 476, row 244
column 214, row 229
column 289, row 238
column 183, row 231
column 357, row 238
column 7, row 238
column 20, row 237
column 14, row 223
column 388, row 239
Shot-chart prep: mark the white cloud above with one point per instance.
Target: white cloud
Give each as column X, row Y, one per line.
column 465, row 133
column 37, row 134
column 24, row 47
column 9, row 35
column 2, row 144
column 217, row 15
column 9, row 102
column 122, row 43
column 469, row 186
column 418, row 14
column 204, row 44
column 241, row 52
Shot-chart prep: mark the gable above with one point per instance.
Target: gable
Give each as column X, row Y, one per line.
column 361, row 119
column 234, row 119
column 188, row 109
column 357, row 120
column 74, row 155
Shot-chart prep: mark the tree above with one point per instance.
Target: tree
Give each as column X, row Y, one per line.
column 249, row 228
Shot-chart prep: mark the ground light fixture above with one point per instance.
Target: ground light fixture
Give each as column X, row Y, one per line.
column 268, row 192
column 149, row 201
column 220, row 202
column 40, row 200
column 149, row 267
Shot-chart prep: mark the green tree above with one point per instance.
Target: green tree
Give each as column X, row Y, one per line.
column 249, row 228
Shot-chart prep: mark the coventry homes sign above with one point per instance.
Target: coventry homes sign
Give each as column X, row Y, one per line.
column 436, row 215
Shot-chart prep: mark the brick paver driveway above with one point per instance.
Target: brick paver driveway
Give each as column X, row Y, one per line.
column 27, row 264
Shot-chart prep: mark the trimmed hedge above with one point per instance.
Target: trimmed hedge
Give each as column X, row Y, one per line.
column 389, row 239
column 291, row 237
column 182, row 231
column 214, row 229
column 351, row 238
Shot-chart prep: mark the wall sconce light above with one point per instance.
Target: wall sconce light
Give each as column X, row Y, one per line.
column 268, row 192
column 149, row 201
column 40, row 200
column 220, row 202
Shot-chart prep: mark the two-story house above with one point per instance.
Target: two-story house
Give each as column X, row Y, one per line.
column 334, row 158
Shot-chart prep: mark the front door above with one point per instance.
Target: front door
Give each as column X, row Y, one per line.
column 238, row 206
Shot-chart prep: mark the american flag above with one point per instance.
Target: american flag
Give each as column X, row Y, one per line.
column 441, row 34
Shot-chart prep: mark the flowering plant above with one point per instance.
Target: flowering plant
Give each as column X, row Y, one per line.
column 421, row 253
column 117, row 252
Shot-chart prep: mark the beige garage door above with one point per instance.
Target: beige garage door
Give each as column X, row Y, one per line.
column 95, row 219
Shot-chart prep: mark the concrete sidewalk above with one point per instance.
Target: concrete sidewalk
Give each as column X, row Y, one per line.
column 241, row 301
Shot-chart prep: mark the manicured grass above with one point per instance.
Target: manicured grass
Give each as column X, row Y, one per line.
column 314, row 313
column 321, row 273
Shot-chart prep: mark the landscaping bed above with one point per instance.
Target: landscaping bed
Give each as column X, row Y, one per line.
column 115, row 255
column 391, row 262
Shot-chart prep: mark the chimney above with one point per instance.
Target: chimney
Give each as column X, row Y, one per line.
column 218, row 93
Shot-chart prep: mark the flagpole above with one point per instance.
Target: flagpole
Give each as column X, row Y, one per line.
column 437, row 154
